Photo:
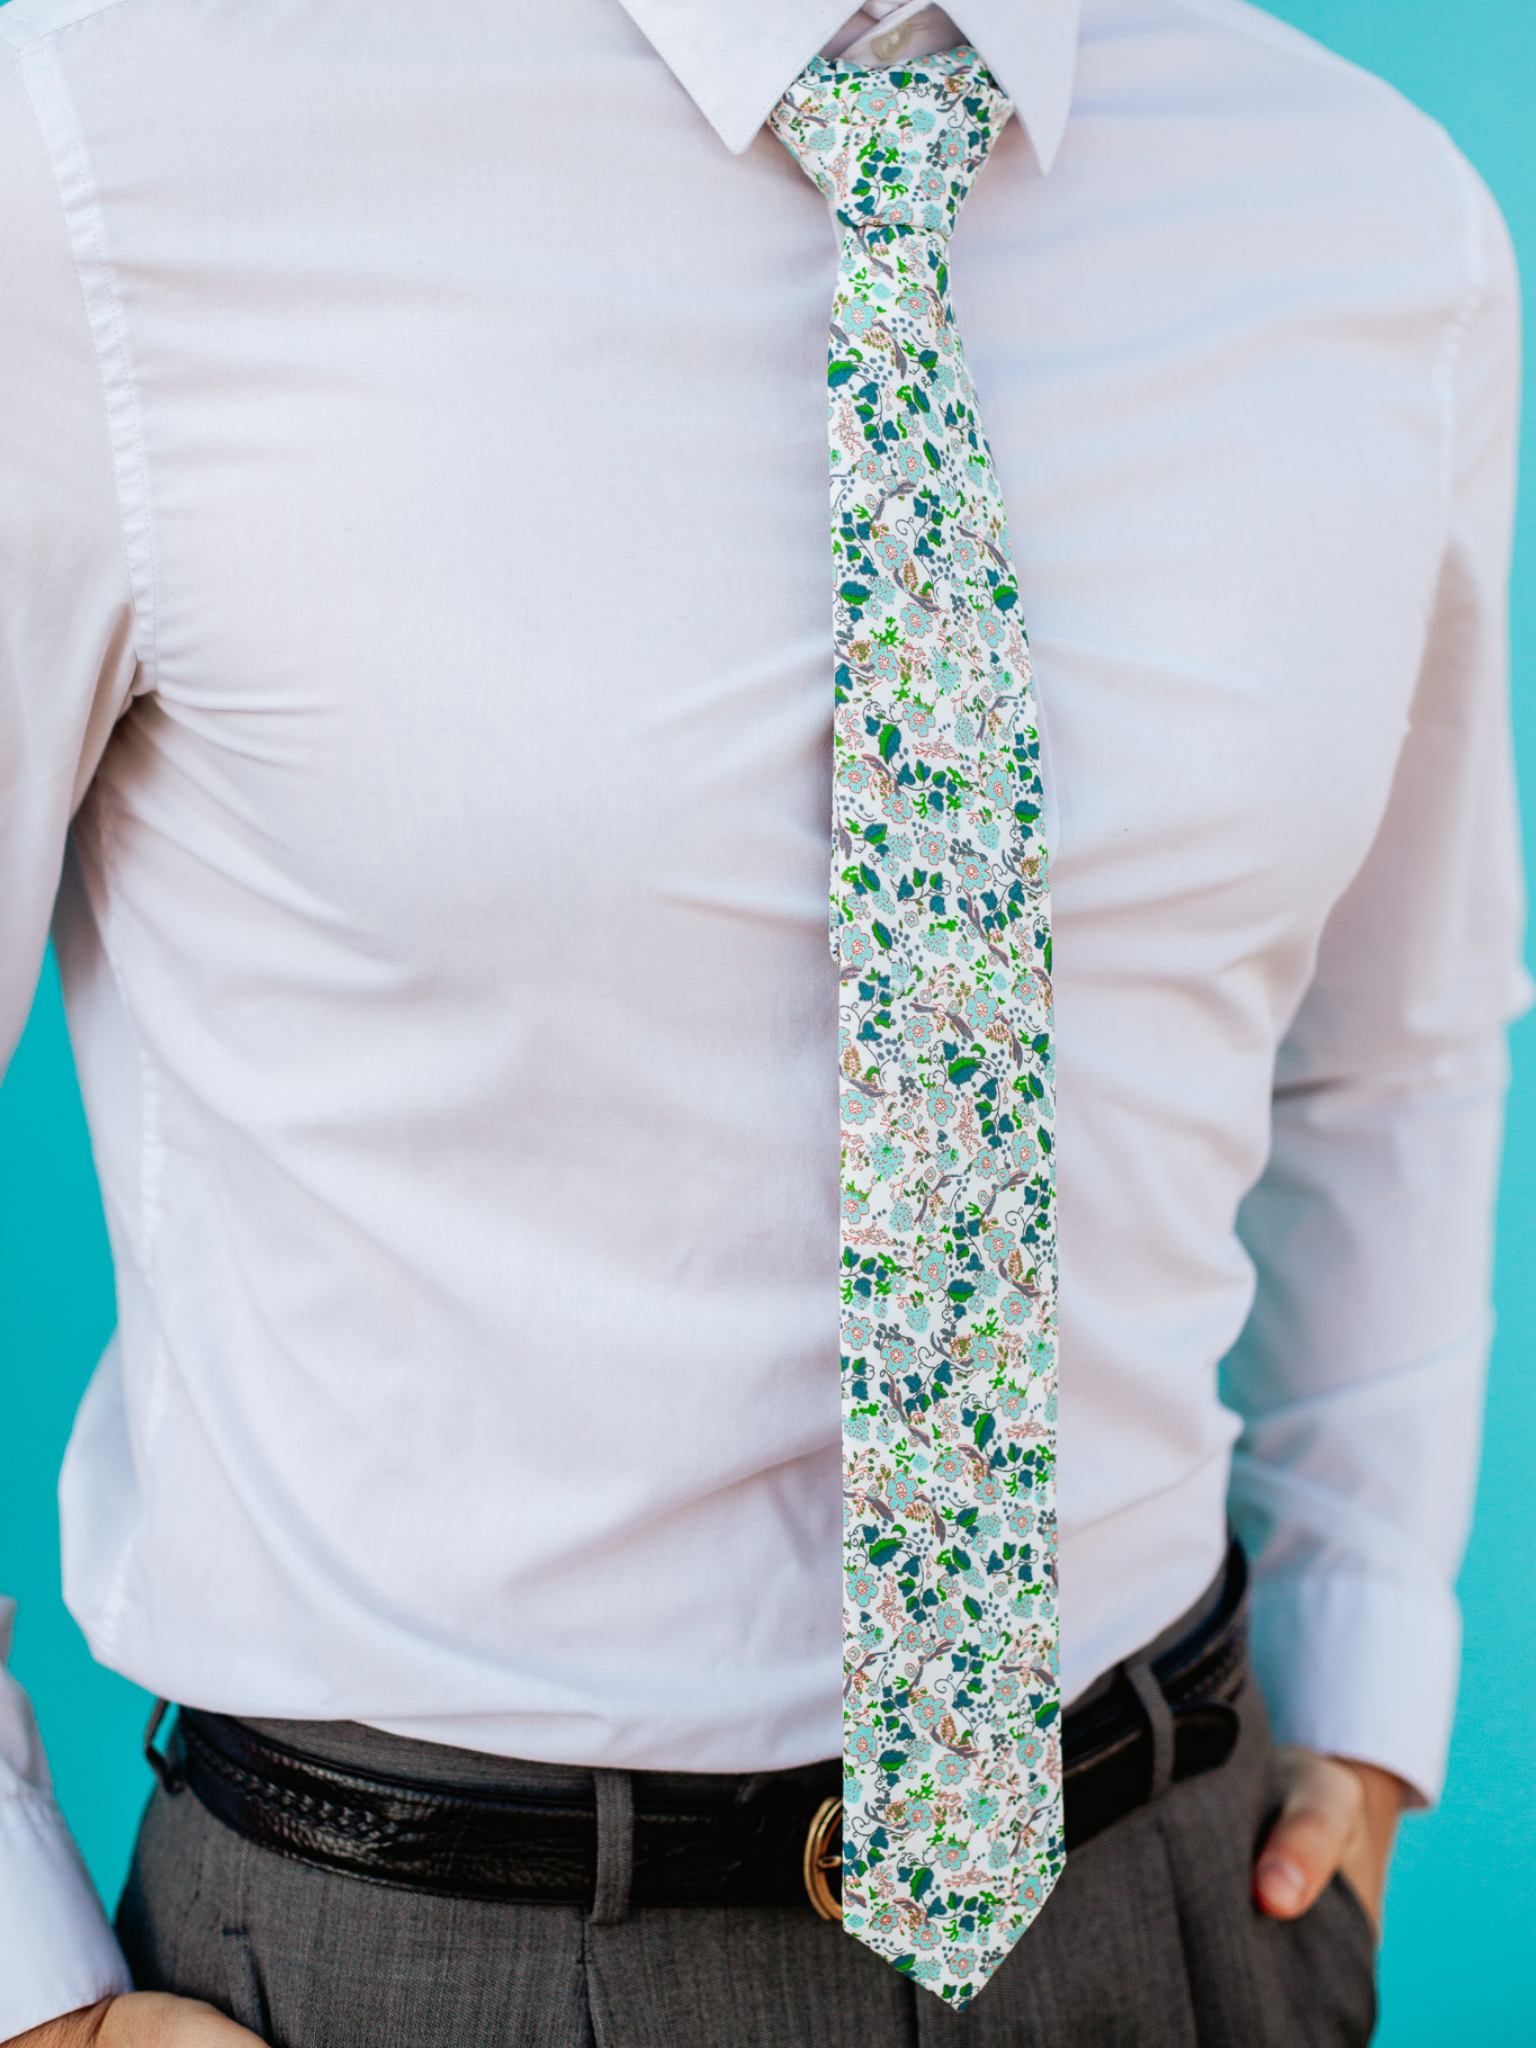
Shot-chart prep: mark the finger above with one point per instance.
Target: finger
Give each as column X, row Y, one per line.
column 1319, row 1817
column 155, row 2019
column 1384, row 1796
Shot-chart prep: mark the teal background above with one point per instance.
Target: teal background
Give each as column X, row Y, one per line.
column 1457, row 1963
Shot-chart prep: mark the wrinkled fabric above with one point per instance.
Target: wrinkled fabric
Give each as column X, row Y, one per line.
column 413, row 585
column 1151, row 1940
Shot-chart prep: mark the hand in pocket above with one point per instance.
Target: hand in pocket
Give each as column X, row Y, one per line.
column 1335, row 1817
column 139, row 2019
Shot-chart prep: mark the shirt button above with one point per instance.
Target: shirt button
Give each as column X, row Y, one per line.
column 892, row 43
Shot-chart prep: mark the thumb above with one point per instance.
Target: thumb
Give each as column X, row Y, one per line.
column 1321, row 1809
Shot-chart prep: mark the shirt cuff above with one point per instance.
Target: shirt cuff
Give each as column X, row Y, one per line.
column 57, row 1952
column 1360, row 1667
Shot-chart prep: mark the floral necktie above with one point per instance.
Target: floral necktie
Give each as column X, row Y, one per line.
column 952, row 1822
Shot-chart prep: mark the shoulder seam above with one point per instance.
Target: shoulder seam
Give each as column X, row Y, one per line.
column 58, row 129
column 1250, row 22
column 1453, row 342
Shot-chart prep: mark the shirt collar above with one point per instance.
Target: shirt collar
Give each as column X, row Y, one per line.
column 735, row 61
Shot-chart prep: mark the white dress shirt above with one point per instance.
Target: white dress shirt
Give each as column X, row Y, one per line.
column 414, row 582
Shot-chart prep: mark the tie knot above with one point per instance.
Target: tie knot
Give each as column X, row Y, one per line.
column 895, row 151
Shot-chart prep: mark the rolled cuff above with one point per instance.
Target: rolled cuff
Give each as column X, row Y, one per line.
column 57, row 1952
column 1360, row 1667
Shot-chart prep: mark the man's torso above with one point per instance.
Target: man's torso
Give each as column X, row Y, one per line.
column 446, row 930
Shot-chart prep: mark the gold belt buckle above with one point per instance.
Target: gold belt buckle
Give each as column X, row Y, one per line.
column 823, row 1856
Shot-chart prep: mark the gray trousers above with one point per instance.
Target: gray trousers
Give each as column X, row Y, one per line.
column 1150, row 1940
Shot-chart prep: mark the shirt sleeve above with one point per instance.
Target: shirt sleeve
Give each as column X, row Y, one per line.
column 57, row 1952
column 1359, row 1375
column 67, row 667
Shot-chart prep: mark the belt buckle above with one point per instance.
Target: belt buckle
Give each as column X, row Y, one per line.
column 823, row 1856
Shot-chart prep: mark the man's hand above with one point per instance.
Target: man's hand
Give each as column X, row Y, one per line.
column 139, row 2019
column 1334, row 1815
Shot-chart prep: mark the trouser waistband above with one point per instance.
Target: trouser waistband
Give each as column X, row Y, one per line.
column 462, row 1824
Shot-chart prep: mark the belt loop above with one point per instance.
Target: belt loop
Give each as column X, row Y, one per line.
column 615, row 1846
column 1159, row 1723
column 164, row 1766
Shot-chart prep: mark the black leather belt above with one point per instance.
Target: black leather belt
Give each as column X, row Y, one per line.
column 752, row 1842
